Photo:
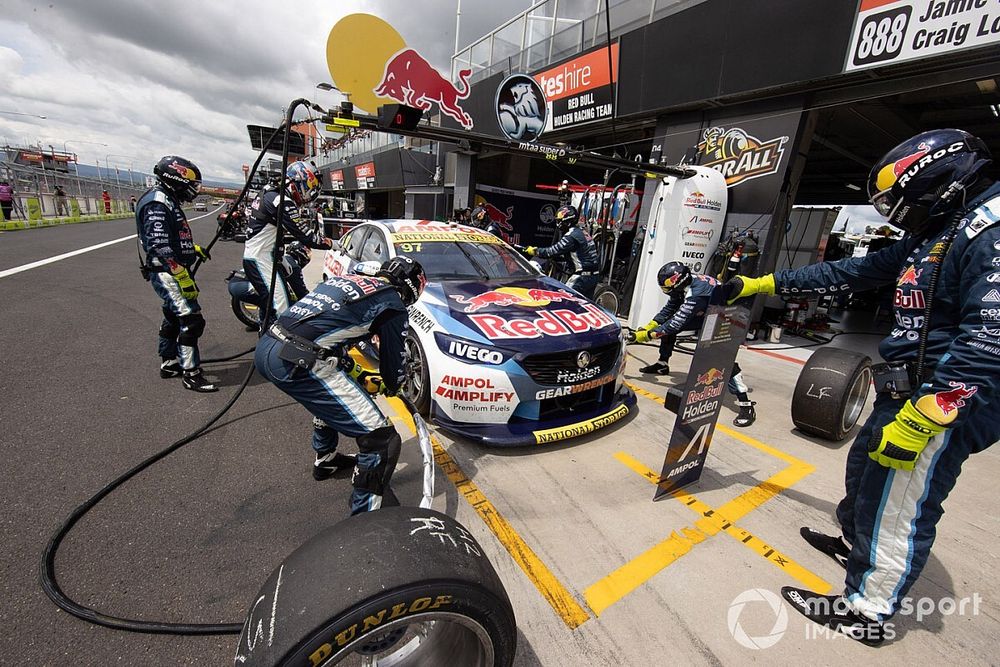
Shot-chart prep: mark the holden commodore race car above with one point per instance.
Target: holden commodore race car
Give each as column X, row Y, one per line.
column 498, row 352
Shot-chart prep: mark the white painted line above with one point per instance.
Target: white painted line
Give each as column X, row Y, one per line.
column 72, row 253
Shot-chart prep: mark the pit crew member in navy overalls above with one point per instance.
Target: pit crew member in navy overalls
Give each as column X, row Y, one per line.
column 304, row 353
column 301, row 186
column 688, row 297
column 928, row 417
column 579, row 247
column 170, row 251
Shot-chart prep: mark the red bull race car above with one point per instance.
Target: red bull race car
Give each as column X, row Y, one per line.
column 499, row 353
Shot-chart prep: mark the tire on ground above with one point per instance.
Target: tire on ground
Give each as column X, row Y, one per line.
column 606, row 298
column 379, row 582
column 831, row 393
column 246, row 313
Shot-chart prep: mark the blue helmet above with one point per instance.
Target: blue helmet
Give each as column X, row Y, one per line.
column 673, row 276
column 302, row 182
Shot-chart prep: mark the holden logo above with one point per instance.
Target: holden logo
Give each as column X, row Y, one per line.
column 583, row 359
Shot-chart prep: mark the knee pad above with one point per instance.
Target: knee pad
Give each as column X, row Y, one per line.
column 192, row 326
column 377, row 460
column 169, row 330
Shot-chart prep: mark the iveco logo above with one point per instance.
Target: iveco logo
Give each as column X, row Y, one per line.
column 583, row 359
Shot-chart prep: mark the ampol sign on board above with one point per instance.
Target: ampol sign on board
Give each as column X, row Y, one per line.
column 891, row 31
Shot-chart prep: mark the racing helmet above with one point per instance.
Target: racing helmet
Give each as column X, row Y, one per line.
column 925, row 177
column 673, row 276
column 407, row 276
column 566, row 217
column 299, row 252
column 480, row 217
column 302, row 182
column 179, row 176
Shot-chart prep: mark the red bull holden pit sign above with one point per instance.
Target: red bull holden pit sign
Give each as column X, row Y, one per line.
column 580, row 90
column 891, row 31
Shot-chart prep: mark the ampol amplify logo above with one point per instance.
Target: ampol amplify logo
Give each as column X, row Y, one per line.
column 411, row 80
column 740, row 156
column 757, row 598
column 514, row 296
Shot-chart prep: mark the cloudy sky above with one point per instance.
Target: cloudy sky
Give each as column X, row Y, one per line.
column 152, row 77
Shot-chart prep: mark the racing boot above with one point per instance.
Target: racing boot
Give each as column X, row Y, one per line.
column 834, row 547
column 835, row 612
column 747, row 415
column 170, row 368
column 659, row 368
column 195, row 380
column 327, row 464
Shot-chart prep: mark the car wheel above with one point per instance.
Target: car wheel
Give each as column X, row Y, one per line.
column 606, row 298
column 831, row 393
column 383, row 587
column 416, row 385
column 247, row 313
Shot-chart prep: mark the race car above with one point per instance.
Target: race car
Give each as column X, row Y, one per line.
column 498, row 352
column 200, row 206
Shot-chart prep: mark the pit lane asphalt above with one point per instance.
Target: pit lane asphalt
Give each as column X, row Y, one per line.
column 190, row 539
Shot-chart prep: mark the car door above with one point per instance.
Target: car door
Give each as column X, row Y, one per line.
column 375, row 247
column 342, row 257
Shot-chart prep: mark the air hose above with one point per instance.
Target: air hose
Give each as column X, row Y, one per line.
column 47, row 574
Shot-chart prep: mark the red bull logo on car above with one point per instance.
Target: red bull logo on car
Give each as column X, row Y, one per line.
column 943, row 405
column 411, row 80
column 514, row 296
column 557, row 322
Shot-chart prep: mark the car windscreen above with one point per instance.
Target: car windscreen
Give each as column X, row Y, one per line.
column 464, row 260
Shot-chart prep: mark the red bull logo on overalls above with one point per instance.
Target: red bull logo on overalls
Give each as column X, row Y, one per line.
column 910, row 276
column 411, row 80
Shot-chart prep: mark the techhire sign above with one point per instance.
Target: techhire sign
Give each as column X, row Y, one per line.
column 891, row 31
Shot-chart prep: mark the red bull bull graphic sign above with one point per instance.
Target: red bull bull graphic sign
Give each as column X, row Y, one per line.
column 515, row 296
column 724, row 328
column 411, row 80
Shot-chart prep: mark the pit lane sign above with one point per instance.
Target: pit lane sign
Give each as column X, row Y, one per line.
column 891, row 31
column 725, row 328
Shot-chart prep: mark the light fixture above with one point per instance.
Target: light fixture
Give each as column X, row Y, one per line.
column 322, row 85
column 852, row 186
column 987, row 86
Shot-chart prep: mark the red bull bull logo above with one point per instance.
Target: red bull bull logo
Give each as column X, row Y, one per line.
column 498, row 216
column 411, row 80
column 943, row 406
column 185, row 172
column 711, row 376
column 514, row 296
column 910, row 276
column 890, row 173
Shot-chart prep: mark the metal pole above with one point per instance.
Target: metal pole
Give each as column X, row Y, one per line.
column 458, row 22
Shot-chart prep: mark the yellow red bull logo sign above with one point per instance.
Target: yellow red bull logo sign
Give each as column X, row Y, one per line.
column 740, row 156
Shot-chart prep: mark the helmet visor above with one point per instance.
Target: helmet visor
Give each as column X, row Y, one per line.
column 884, row 202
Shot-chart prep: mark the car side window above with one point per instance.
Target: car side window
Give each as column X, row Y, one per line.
column 375, row 248
column 353, row 241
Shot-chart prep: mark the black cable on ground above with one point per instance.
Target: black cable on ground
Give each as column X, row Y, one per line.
column 47, row 574
column 220, row 360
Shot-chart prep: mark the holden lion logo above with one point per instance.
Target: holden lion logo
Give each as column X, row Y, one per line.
column 739, row 156
column 520, row 108
column 411, row 80
column 757, row 595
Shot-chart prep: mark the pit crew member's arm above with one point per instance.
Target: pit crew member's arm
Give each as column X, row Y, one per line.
column 563, row 246
column 155, row 230
column 845, row 275
column 674, row 301
column 678, row 321
column 298, row 227
column 968, row 375
column 390, row 326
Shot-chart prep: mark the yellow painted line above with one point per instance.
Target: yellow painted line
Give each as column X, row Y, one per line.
column 557, row 595
column 714, row 521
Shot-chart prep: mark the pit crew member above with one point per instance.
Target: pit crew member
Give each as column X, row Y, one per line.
column 170, row 252
column 301, row 186
column 936, row 396
column 688, row 297
column 304, row 353
column 576, row 244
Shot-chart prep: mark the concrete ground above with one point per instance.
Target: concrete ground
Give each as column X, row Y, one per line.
column 597, row 572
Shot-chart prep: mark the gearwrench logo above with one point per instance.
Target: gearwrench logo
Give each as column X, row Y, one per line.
column 757, row 595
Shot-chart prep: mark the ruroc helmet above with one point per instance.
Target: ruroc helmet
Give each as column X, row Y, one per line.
column 673, row 276
column 179, row 176
column 567, row 216
column 302, row 181
column 407, row 276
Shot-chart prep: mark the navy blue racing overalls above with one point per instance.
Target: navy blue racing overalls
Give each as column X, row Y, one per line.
column 889, row 516
column 577, row 244
column 166, row 237
column 685, row 311
column 334, row 315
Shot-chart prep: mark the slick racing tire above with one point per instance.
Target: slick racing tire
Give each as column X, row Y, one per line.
column 416, row 387
column 606, row 298
column 247, row 313
column 397, row 586
column 831, row 393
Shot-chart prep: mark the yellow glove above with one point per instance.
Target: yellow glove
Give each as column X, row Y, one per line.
column 203, row 254
column 189, row 290
column 744, row 286
column 369, row 381
column 649, row 326
column 531, row 251
column 899, row 444
column 644, row 336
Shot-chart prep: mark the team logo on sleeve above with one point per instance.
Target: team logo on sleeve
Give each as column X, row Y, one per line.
column 943, row 405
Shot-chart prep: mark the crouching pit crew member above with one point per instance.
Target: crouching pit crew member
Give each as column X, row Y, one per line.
column 688, row 297
column 579, row 247
column 301, row 186
column 936, row 394
column 305, row 354
column 170, row 251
